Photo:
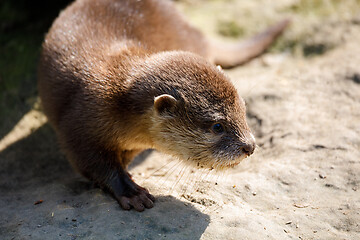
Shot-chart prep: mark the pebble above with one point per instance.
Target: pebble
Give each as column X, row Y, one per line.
column 322, row 176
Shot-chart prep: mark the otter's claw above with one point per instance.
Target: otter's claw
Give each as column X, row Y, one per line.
column 139, row 202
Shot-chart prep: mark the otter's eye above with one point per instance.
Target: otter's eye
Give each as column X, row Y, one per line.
column 217, row 128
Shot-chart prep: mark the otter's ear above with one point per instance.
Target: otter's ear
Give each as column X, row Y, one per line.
column 164, row 104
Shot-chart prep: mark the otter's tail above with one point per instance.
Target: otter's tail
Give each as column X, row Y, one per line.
column 232, row 55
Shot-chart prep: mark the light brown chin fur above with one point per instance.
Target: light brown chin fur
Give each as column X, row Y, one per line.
column 119, row 76
column 219, row 164
column 237, row 162
column 225, row 164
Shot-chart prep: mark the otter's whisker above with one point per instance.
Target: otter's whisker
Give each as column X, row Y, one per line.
column 168, row 162
column 187, row 182
column 170, row 172
column 181, row 174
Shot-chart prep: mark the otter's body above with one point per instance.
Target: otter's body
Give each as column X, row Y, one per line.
column 117, row 77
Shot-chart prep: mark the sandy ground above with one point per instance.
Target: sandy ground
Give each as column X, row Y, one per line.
column 303, row 181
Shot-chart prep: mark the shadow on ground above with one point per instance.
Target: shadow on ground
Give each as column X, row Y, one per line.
column 33, row 169
column 23, row 25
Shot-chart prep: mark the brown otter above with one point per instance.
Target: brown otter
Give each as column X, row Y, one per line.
column 117, row 77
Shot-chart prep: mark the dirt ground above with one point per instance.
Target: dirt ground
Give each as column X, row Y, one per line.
column 302, row 182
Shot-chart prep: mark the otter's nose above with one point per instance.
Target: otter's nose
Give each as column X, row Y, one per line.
column 248, row 148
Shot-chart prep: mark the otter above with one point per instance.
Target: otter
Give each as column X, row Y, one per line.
column 117, row 77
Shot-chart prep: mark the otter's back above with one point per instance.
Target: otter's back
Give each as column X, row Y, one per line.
column 89, row 34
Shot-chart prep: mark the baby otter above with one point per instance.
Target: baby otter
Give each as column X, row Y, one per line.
column 117, row 77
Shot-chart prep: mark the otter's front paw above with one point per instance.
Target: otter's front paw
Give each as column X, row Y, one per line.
column 139, row 201
column 128, row 193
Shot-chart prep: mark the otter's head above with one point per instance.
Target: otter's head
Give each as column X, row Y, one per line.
column 197, row 114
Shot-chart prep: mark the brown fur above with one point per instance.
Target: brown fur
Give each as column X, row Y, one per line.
column 104, row 62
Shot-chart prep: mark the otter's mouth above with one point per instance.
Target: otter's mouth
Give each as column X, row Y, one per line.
column 237, row 161
column 228, row 163
column 217, row 161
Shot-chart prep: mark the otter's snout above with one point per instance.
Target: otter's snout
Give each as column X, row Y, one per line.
column 249, row 146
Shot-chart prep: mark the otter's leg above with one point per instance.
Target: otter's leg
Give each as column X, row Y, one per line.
column 108, row 169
